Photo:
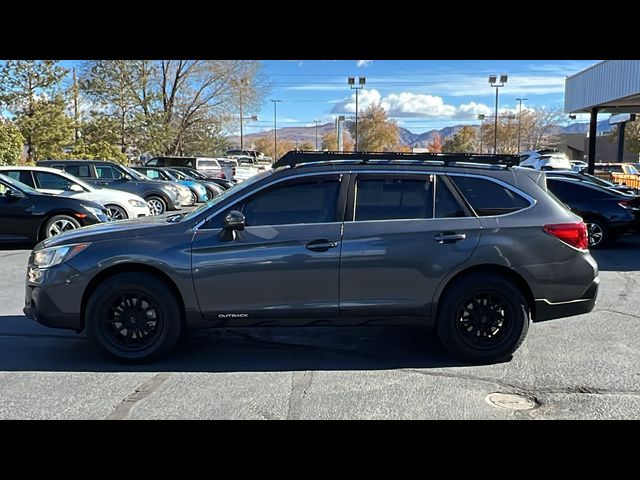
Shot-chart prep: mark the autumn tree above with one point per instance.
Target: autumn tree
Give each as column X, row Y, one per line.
column 376, row 133
column 436, row 144
column 306, row 146
column 330, row 141
column 461, row 142
column 265, row 145
column 11, row 143
column 31, row 91
column 632, row 136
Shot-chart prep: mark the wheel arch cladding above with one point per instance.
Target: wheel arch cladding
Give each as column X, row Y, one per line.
column 506, row 272
column 130, row 268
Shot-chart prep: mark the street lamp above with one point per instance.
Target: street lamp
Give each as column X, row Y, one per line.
column 240, row 83
column 520, row 119
column 494, row 83
column 352, row 83
column 242, row 119
column 481, row 118
column 275, row 135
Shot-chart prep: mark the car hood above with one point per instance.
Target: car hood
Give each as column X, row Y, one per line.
column 106, row 231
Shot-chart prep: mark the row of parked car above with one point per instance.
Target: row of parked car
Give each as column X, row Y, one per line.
column 38, row 202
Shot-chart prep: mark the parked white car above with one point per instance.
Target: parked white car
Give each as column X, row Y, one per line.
column 119, row 204
column 545, row 160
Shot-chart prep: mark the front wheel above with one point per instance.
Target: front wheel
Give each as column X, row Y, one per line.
column 157, row 205
column 483, row 317
column 116, row 213
column 60, row 224
column 134, row 317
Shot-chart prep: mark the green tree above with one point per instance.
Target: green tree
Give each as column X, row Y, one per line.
column 376, row 133
column 11, row 143
column 99, row 150
column 48, row 129
column 461, row 142
column 30, row 89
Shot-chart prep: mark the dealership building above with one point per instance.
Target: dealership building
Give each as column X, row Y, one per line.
column 609, row 87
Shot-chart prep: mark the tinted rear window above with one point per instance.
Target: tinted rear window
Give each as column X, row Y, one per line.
column 394, row 198
column 572, row 190
column 489, row 198
column 81, row 171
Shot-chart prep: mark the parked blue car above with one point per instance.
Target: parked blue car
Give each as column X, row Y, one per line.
column 198, row 191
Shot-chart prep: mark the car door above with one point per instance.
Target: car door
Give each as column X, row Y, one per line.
column 18, row 223
column 285, row 262
column 402, row 233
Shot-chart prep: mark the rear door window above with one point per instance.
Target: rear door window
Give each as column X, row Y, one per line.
column 80, row 171
column 394, row 197
column 488, row 198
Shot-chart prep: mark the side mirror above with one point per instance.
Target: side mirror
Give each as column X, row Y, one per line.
column 14, row 193
column 74, row 187
column 234, row 220
column 126, row 177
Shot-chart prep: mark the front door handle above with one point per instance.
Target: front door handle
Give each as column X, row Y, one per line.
column 321, row 245
column 450, row 237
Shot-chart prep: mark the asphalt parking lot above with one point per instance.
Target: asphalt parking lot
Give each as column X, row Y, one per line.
column 585, row 367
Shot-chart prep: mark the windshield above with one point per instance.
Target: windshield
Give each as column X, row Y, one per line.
column 208, row 163
column 18, row 185
column 214, row 201
column 180, row 175
column 135, row 174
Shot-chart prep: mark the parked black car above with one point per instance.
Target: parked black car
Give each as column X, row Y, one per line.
column 160, row 196
column 585, row 177
column 398, row 239
column 195, row 174
column 608, row 214
column 27, row 215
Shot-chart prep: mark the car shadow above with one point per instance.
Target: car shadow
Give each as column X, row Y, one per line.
column 622, row 256
column 258, row 349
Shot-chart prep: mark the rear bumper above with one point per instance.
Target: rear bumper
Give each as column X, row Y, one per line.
column 546, row 310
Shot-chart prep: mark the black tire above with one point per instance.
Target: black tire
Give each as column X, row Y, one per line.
column 130, row 297
column 157, row 205
column 598, row 234
column 491, row 332
column 193, row 199
column 116, row 212
column 211, row 193
column 58, row 224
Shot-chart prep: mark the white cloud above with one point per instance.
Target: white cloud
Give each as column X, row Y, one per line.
column 408, row 104
column 364, row 63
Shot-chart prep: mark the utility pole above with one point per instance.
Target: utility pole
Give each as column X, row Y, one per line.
column 76, row 113
column 519, row 120
column 352, row 84
column 316, row 122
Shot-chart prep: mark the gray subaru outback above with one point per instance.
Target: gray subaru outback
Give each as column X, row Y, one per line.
column 468, row 244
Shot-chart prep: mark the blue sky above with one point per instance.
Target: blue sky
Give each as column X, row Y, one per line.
column 420, row 94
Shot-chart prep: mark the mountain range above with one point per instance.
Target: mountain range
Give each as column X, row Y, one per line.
column 420, row 140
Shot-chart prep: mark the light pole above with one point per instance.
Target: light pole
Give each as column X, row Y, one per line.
column 352, row 83
column 240, row 83
column 481, row 118
column 316, row 122
column 520, row 119
column 275, row 135
column 497, row 85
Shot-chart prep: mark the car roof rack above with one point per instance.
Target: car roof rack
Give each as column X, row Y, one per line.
column 299, row 158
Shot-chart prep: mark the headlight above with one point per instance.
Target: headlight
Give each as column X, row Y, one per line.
column 96, row 212
column 201, row 189
column 137, row 203
column 50, row 257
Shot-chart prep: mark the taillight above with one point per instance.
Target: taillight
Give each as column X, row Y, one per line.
column 573, row 234
column 222, row 175
column 233, row 171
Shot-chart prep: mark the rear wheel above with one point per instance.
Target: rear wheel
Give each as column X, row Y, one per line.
column 483, row 317
column 116, row 213
column 193, row 198
column 60, row 224
column 157, row 205
column 134, row 317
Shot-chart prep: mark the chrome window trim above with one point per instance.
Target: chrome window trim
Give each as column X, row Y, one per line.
column 341, row 172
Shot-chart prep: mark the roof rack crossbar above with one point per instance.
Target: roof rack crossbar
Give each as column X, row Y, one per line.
column 308, row 158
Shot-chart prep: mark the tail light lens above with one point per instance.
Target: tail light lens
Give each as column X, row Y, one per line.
column 573, row 234
column 221, row 174
column 233, row 171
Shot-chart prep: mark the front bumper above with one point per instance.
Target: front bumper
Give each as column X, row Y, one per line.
column 136, row 212
column 546, row 310
column 51, row 296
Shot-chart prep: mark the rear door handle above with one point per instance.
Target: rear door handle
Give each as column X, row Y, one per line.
column 321, row 245
column 450, row 237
